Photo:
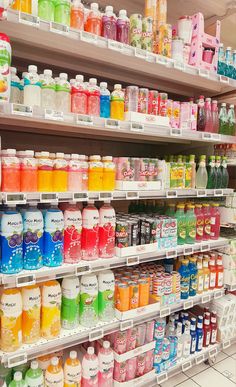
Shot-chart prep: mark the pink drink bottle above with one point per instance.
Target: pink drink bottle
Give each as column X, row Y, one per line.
column 75, row 174
column 79, row 96
column 120, row 371
column 89, row 369
column 215, row 117
column 215, row 221
column 89, row 241
column 208, row 115
column 106, row 365
column 93, row 98
column 131, row 368
column 109, row 23
column 123, row 27
column 72, row 234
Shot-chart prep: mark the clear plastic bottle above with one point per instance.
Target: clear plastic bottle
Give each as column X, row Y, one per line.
column 45, row 167
column 15, row 96
column 32, row 87
column 63, row 98
column 79, row 96
column 10, row 171
column 77, row 15
column 18, row 381
column 93, row 98
column 93, row 23
column 109, row 23
column 75, row 175
column 201, row 175
column 48, row 92
column 208, row 114
column 223, row 120
column 123, row 27
column 117, row 103
column 215, row 116
column 46, row 9
column 224, row 172
column 231, row 121
column 104, row 100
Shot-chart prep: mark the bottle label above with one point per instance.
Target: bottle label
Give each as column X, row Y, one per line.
column 193, row 283
column 212, row 280
column 184, row 285
column 199, row 342
column 200, row 283
column 207, row 226
column 193, row 344
column 213, row 220
column 199, row 228
column 206, row 281
column 213, row 336
column 208, row 336
column 220, row 279
column 186, row 350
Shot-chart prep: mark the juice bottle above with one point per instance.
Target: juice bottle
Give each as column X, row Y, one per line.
column 106, row 290
column 190, row 219
column 211, row 172
column 93, row 23
column 77, row 15
column 213, row 328
column 206, row 272
column 54, row 374
column 201, row 116
column 223, row 120
column 90, row 369
column 45, row 166
column 75, row 173
column 11, row 242
column 201, row 175
column 212, row 268
column 34, row 376
column 206, row 330
column 46, row 9
column 90, row 229
column 224, row 172
column 18, row 381
column 60, row 174
column 215, row 221
column 109, row 173
column 88, row 307
column 122, row 27
column 48, row 90
column 70, row 303
column 193, row 276
column 15, row 96
column 231, row 121
column 79, row 96
column 28, row 172
column 106, row 365
column 215, row 116
column 32, row 87
column 51, row 310
column 107, row 226
column 63, row 96
column 62, row 12
column 11, row 320
column 72, row 234
column 117, row 103
column 200, row 277
column 184, row 279
column 219, row 273
column 199, row 332
column 10, row 171
column 33, row 238
column 31, row 299
column 181, row 224
column 84, row 163
column 208, row 114
column 109, row 23
column 207, row 221
column 105, row 100
column 53, row 237
column 199, row 222
column 93, row 98
column 95, row 175
column 72, row 371
column 22, row 5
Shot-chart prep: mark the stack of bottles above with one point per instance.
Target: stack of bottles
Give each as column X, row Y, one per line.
column 227, row 62
column 182, row 335
column 138, row 169
column 213, row 175
column 36, row 312
column 226, row 312
column 227, row 150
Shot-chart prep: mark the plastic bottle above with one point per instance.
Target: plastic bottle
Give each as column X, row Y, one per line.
column 90, row 222
column 79, row 96
column 207, row 221
column 190, row 219
column 211, row 173
column 184, row 279
column 104, row 100
column 218, row 172
column 11, row 241
column 109, row 23
column 123, row 27
column 77, row 15
column 231, row 121
column 200, row 277
column 219, row 273
column 63, row 97
column 193, row 335
column 206, row 272
column 5, row 60
column 201, row 175
column 54, row 374
column 117, row 103
column 208, row 115
column 88, row 307
column 215, row 221
column 84, row 164
column 46, row 9
column 51, row 309
column 34, row 376
column 187, row 340
column 33, row 238
column 62, row 12
column 199, row 222
column 93, row 98
column 215, row 117
column 212, row 268
column 72, row 370
column 72, row 234
column 107, row 225
column 206, row 330
column 180, row 340
column 10, row 171
column 28, row 172
column 93, row 23
column 53, row 237
column 11, row 320
column 60, row 174
column 193, row 172
column 106, row 365
column 106, row 290
column 199, row 332
column 45, row 167
column 31, row 300
column 201, row 116
column 15, row 96
column 48, row 91
column 181, row 224
column 213, row 328
column 224, row 173
column 90, row 369
column 18, row 381
column 32, row 87
column 193, row 276
column 109, row 173
column 70, row 303
column 223, row 120
column 95, row 175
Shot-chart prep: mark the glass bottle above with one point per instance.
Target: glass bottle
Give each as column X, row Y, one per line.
column 201, row 116
column 231, row 121
column 201, row 175
column 218, row 172
column 181, row 224
column 208, row 114
column 211, row 172
column 215, row 117
column 224, row 173
column 223, row 120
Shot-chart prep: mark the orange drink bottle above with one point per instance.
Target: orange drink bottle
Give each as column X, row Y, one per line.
column 133, row 294
column 22, row 5
column 51, row 310
column 54, row 375
column 28, row 171
column 31, row 299
column 200, row 276
column 11, row 320
column 10, row 171
column 93, row 23
column 117, row 103
column 206, row 272
column 77, row 15
column 212, row 268
column 109, row 173
column 72, row 371
column 60, row 173
column 122, row 294
column 95, row 175
column 143, row 291
column 219, row 272
column 45, row 166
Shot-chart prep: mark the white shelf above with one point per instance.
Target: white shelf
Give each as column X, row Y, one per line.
column 30, row 277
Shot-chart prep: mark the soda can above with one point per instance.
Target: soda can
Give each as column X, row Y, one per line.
column 140, row 365
column 120, row 342
column 165, row 349
column 148, row 361
column 147, row 33
column 150, row 331
column 162, row 104
column 164, row 40
column 143, row 291
column 131, row 339
column 122, row 168
column 133, row 294
column 120, row 371
column 152, row 170
column 158, row 284
column 131, row 98
column 148, row 230
column 144, row 169
column 131, row 368
column 135, row 30
column 122, row 239
column 167, row 283
column 153, row 102
column 141, row 335
column 143, row 100
column 122, row 301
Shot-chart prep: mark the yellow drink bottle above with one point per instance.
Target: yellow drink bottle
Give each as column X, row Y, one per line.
column 45, row 165
column 51, row 309
column 109, row 174
column 117, row 103
column 95, row 173
column 31, row 299
column 60, row 173
column 206, row 272
column 200, row 277
column 11, row 320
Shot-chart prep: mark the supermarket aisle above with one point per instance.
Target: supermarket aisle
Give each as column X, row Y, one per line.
column 221, row 374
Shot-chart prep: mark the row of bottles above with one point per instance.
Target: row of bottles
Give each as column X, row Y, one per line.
column 214, row 175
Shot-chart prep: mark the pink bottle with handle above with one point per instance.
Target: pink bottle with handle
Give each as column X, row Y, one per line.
column 208, row 114
column 89, row 369
column 105, row 365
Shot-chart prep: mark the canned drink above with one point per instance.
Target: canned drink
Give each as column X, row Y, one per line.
column 135, row 30
column 158, row 284
column 140, row 365
column 142, row 231
column 147, row 33
column 133, row 295
column 165, row 349
column 148, row 361
column 137, row 163
column 141, row 335
column 148, row 230
column 164, row 40
column 131, row 368
column 131, row 98
column 120, row 342
column 132, row 232
column 122, row 301
column 122, row 234
column 153, row 102
column 150, row 331
column 162, row 104
column 167, row 283
column 143, row 100
column 152, row 168
column 154, row 230
column 175, row 282
column 123, row 168
column 131, row 339
column 120, row 371
column 144, row 169
column 143, row 291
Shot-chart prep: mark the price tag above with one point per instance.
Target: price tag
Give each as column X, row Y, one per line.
column 213, row 352
column 207, row 136
column 161, row 60
column 188, row 304
column 89, row 38
column 126, row 325
column 48, row 197
column 206, row 298
column 139, row 53
column 53, row 115
column 150, row 57
column 218, row 192
column 179, row 66
column 226, row 344
column 205, row 247
column 96, row 334
column 171, row 253
column 216, row 137
column 186, row 365
column 25, row 280
column 175, row 132
column 218, row 294
column 12, row 198
column 136, row 127
column 199, row 359
column 164, row 312
column 116, row 46
column 162, row 378
column 112, row 124
column 80, row 270
column 83, row 119
column 188, row 250
column 131, row 195
column 21, row 110
column 15, row 360
column 203, row 73
column 80, row 196
column 201, row 193
column 171, row 194
column 26, row 18
column 224, row 79
column 134, row 260
column 105, row 195
column 59, row 28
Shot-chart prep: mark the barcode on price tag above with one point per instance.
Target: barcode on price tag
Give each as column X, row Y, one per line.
column 25, row 280
column 96, row 334
column 59, row 28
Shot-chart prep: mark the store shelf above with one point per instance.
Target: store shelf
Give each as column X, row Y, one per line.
column 69, row 338
column 30, row 277
column 45, row 43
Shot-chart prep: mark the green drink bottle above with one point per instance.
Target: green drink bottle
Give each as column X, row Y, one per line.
column 218, row 172
column 225, row 173
column 211, row 172
column 34, row 375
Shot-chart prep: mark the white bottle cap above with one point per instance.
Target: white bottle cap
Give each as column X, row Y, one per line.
column 95, row 157
column 72, row 81
column 24, row 74
column 13, row 70
column 34, row 365
column 107, row 158
column 18, row 376
column 123, row 12
column 106, row 344
column 29, row 153
column 94, row 6
column 215, row 101
column 20, row 153
column 43, row 154
column 54, row 361
column 32, row 69
column 10, row 152
column 60, row 155
column 63, row 76
column 118, row 86
column 92, row 81
column 229, row 48
column 48, row 72
column 74, row 156
column 223, row 104
column 82, row 157
column 90, row 350
column 103, row 84
column 52, row 155
column 73, row 355
column 79, row 78
column 67, row 156
column 231, row 106
column 109, row 8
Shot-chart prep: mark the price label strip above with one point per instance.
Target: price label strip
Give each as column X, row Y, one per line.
column 186, row 366
column 112, row 124
column 53, row 115
column 49, row 197
column 96, row 334
column 126, row 325
column 136, row 127
column 89, row 38
column 134, row 260
column 201, row 193
column 105, row 195
column 162, row 378
column 116, row 46
column 213, row 352
column 206, row 298
column 59, row 28
column 139, row 53
column 171, row 194
column 164, row 312
column 188, row 304
column 26, row 18
column 131, row 195
column 176, row 132
column 15, row 360
column 179, row 66
column 85, row 269
column 12, row 198
column 83, row 119
column 199, row 359
column 171, row 253
column 25, row 280
column 80, row 196
column 21, row 110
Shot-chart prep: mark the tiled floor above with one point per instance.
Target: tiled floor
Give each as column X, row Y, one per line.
column 221, row 374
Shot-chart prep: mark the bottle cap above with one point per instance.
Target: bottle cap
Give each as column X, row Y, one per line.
column 94, row 6
column 79, row 78
column 122, row 12
column 32, row 69
column 92, row 81
column 223, row 104
column 118, row 86
column 63, row 76
column 231, row 106
column 95, row 157
column 13, row 70
column 215, row 101
column 42, row 154
column 109, row 8
column 107, row 158
column 106, row 344
column 18, row 376
column 54, row 361
column 90, row 350
column 34, row 365
column 73, row 355
column 72, row 81
column 29, row 153
column 67, row 156
column 82, row 157
column 60, row 155
column 48, row 72
column 10, row 152
column 74, row 156
column 229, row 48
column 103, row 84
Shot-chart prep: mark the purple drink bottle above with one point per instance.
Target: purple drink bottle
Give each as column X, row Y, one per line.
column 122, row 27
column 109, row 23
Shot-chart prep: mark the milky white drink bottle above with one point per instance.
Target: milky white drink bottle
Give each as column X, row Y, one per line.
column 105, row 365
column 48, row 92
column 90, row 369
column 32, row 87
column 106, row 289
column 15, row 96
column 63, row 98
column 107, row 224
column 54, row 374
column 88, row 306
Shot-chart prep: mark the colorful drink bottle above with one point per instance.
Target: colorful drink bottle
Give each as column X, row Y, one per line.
column 117, row 103
column 212, row 268
column 51, row 309
column 53, row 237
column 62, row 12
column 63, row 97
column 200, row 277
column 31, row 299
column 181, row 224
column 15, row 95
column 109, row 23
column 105, row 365
column 193, row 276
column 90, row 369
column 107, row 225
column 10, row 171
column 70, row 303
column 72, row 371
column 28, row 172
column 33, row 238
column 215, row 221
column 34, row 375
column 207, row 221
column 93, row 98
column 89, row 242
column 77, row 15
column 190, row 219
column 54, row 374
column 18, row 381
column 60, row 174
column 79, row 96
column 46, row 9
column 213, row 328
column 32, row 87
column 48, row 90
column 105, row 97
column 184, row 280
column 45, row 167
column 206, row 272
column 122, row 27
column 95, row 173
column 109, row 173
column 106, row 290
column 88, row 307
column 72, row 234
column 75, row 174
column 93, row 23
column 206, row 330
column 199, row 333
column 199, row 222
